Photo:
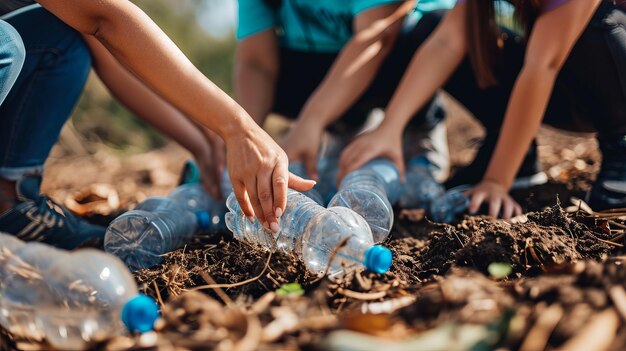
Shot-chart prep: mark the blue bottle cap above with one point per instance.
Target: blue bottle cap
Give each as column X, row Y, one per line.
column 140, row 313
column 378, row 259
column 204, row 219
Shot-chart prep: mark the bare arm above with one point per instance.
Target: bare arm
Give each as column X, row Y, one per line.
column 149, row 106
column 256, row 71
column 350, row 75
column 553, row 37
column 357, row 65
column 430, row 68
column 258, row 167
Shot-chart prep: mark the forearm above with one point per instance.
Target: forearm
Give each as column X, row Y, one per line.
column 428, row 71
column 254, row 90
column 138, row 43
column 349, row 77
column 527, row 106
column 143, row 102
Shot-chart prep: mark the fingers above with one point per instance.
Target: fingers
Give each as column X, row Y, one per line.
column 265, row 193
column 495, row 204
column 279, row 185
column 244, row 200
column 310, row 162
column 300, row 184
column 251, row 189
column 477, row 199
column 399, row 162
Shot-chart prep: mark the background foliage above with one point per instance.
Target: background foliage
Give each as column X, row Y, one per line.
column 98, row 118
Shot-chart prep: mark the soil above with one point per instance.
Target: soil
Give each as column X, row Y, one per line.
column 565, row 288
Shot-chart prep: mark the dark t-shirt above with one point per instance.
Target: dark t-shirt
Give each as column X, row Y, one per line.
column 7, row 6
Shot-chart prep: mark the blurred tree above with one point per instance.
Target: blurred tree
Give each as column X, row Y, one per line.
column 99, row 118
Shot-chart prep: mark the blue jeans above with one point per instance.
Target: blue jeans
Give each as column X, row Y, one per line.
column 11, row 58
column 53, row 76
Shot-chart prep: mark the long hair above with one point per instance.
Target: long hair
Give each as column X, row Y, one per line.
column 484, row 34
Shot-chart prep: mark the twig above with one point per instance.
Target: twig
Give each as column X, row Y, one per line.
column 158, row 293
column 362, row 296
column 617, row 238
column 227, row 300
column 332, row 257
column 227, row 286
column 597, row 335
column 618, row 296
column 609, row 242
column 537, row 338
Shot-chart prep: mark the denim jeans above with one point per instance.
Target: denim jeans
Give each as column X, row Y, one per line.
column 53, row 76
column 11, row 58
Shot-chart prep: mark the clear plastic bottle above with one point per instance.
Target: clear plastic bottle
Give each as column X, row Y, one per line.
column 25, row 284
column 157, row 226
column 298, row 169
column 93, row 296
column 314, row 233
column 454, row 202
column 195, row 199
column 366, row 191
column 420, row 188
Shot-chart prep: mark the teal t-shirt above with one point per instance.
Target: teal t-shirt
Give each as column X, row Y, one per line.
column 315, row 25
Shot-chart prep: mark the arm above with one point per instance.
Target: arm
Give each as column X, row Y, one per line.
column 351, row 74
column 430, row 68
column 256, row 71
column 149, row 106
column 554, row 35
column 258, row 167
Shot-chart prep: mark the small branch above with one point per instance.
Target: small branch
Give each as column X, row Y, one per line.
column 227, row 286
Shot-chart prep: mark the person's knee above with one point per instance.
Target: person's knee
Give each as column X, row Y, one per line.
column 12, row 56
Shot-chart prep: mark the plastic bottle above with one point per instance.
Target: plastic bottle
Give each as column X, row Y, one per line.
column 313, row 234
column 25, row 284
column 328, row 165
column 157, row 226
column 420, row 187
column 94, row 295
column 368, row 192
column 453, row 203
column 298, row 169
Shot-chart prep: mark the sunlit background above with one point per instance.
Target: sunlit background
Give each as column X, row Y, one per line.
column 203, row 29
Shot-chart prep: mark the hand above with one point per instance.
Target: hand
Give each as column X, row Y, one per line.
column 378, row 143
column 302, row 144
column 496, row 196
column 258, row 171
column 212, row 161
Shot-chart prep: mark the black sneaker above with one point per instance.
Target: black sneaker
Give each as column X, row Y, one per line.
column 37, row 218
column 528, row 176
column 609, row 190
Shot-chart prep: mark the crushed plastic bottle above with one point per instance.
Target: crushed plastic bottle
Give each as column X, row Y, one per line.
column 420, row 187
column 315, row 235
column 158, row 225
column 24, row 285
column 298, row 169
column 448, row 207
column 368, row 192
column 94, row 295
column 69, row 299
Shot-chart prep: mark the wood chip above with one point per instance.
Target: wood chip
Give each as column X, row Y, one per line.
column 598, row 335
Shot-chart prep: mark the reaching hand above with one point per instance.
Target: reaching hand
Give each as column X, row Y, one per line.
column 496, row 196
column 258, row 171
column 302, row 144
column 378, row 143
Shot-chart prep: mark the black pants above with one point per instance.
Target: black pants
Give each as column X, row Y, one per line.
column 302, row 72
column 589, row 92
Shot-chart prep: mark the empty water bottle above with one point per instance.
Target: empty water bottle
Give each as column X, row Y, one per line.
column 94, row 295
column 328, row 164
column 25, row 283
column 420, row 187
column 225, row 185
column 452, row 204
column 158, row 225
column 315, row 235
column 368, row 192
column 298, row 169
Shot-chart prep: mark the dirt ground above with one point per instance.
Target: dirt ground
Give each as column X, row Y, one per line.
column 561, row 288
